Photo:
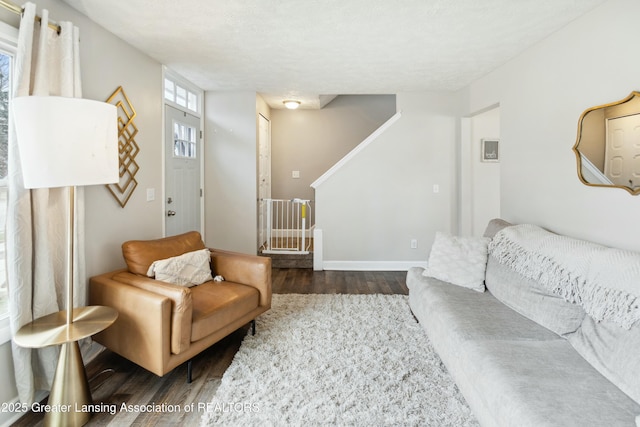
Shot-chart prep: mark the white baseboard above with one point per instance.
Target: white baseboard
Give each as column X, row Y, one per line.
column 372, row 265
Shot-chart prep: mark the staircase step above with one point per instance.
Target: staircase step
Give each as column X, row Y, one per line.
column 290, row 260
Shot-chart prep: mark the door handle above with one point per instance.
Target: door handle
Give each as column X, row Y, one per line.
column 171, row 213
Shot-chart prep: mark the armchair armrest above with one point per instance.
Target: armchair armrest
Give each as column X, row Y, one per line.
column 138, row 334
column 246, row 269
column 181, row 304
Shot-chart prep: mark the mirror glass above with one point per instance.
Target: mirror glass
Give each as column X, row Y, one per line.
column 608, row 145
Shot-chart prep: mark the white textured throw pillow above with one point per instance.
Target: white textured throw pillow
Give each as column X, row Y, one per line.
column 190, row 269
column 461, row 261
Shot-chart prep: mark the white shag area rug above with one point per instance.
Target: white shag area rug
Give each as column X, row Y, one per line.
column 349, row 360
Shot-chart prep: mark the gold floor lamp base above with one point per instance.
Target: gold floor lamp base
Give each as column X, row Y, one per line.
column 70, row 395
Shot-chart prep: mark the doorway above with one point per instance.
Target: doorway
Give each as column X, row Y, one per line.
column 479, row 180
column 183, row 154
column 264, row 174
column 622, row 151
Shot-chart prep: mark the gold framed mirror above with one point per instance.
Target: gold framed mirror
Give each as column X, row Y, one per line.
column 607, row 148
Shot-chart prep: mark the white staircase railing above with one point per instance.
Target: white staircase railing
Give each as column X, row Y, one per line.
column 285, row 226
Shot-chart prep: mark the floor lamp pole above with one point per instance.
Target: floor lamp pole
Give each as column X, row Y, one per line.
column 70, row 384
column 70, row 393
column 70, row 252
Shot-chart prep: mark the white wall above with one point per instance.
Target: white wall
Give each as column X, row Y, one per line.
column 542, row 93
column 231, row 171
column 108, row 62
column 372, row 207
column 312, row 141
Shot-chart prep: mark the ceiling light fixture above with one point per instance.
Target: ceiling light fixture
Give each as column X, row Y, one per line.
column 291, row 104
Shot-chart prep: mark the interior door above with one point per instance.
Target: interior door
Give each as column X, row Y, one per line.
column 183, row 151
column 264, row 175
column 622, row 151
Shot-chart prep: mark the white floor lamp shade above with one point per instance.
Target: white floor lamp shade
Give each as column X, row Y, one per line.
column 66, row 141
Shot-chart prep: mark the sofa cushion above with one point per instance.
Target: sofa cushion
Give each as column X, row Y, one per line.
column 188, row 269
column 458, row 260
column 542, row 383
column 140, row 254
column 511, row 370
column 531, row 299
column 216, row 304
column 468, row 315
column 613, row 351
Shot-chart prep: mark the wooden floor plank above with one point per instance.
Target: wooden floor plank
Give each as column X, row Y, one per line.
column 119, row 381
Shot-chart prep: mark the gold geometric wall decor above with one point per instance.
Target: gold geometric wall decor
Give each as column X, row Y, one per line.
column 127, row 147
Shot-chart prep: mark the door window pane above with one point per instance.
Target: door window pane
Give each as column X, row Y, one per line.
column 184, row 141
column 180, row 95
column 169, row 90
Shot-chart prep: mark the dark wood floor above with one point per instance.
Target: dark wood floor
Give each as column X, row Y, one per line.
column 114, row 380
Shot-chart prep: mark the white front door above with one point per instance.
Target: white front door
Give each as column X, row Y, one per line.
column 264, row 175
column 622, row 152
column 183, row 151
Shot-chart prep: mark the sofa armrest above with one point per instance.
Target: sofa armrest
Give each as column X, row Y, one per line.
column 181, row 304
column 141, row 331
column 245, row 269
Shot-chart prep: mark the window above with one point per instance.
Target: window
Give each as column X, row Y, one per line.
column 181, row 94
column 5, row 67
column 8, row 42
column 5, row 85
column 169, row 90
column 184, row 141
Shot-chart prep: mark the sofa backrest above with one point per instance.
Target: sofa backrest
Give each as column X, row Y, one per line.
column 608, row 345
column 140, row 254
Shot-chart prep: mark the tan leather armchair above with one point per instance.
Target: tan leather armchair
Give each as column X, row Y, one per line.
column 161, row 325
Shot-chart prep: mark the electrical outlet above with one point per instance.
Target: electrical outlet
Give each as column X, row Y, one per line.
column 295, row 174
column 414, row 243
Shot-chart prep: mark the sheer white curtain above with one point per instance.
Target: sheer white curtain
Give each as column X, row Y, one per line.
column 46, row 64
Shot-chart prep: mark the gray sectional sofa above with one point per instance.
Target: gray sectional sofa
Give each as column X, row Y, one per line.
column 554, row 340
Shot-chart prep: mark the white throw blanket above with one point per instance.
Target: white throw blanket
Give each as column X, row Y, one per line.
column 604, row 281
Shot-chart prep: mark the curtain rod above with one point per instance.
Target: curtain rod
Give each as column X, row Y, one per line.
column 18, row 11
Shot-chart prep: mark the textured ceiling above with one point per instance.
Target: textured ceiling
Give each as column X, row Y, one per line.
column 306, row 48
